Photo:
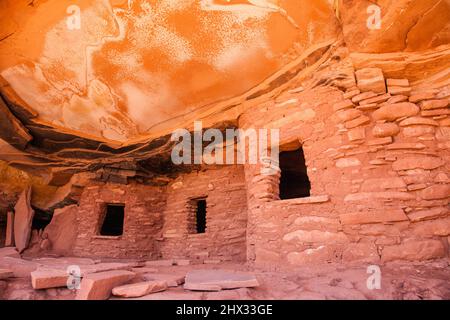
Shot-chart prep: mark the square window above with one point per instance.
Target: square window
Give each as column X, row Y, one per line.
column 113, row 221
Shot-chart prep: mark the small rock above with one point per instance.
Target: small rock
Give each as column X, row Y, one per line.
column 162, row 263
column 397, row 82
column 172, row 280
column 214, row 280
column 371, row 79
column 399, row 91
column 417, row 97
column 140, row 289
column 434, row 104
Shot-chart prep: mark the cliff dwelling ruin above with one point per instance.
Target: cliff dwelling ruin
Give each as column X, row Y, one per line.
column 352, row 169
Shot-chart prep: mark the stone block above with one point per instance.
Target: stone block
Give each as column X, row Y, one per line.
column 371, row 79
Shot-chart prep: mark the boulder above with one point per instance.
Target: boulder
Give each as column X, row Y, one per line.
column 22, row 221
column 61, row 232
column 98, row 286
column 140, row 289
column 216, row 280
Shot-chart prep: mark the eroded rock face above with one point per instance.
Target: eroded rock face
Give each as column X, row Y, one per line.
column 59, row 236
column 22, row 220
column 102, row 79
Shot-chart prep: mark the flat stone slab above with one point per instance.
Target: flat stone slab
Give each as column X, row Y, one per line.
column 216, row 280
column 64, row 261
column 106, row 266
column 136, row 290
column 45, row 279
column 182, row 262
column 99, row 286
column 6, row 273
column 160, row 263
column 173, row 280
column 171, row 295
column 144, row 270
column 9, row 252
column 20, row 267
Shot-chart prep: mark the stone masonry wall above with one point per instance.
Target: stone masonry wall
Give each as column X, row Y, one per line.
column 378, row 160
column 142, row 223
column 225, row 236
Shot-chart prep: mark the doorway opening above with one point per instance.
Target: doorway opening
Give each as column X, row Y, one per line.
column 294, row 181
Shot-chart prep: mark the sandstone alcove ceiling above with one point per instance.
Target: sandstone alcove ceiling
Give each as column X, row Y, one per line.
column 333, row 184
column 110, row 93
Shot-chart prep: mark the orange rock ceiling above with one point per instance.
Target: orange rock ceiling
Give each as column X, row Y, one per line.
column 136, row 64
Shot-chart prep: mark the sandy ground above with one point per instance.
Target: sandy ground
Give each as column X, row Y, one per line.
column 399, row 281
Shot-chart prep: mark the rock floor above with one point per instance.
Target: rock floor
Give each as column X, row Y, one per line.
column 399, row 281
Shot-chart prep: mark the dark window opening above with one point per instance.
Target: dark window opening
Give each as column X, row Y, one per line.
column 294, row 181
column 41, row 219
column 197, row 216
column 113, row 221
column 200, row 215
